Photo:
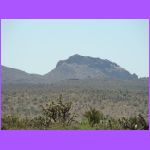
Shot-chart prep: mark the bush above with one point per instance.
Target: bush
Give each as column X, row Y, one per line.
column 134, row 123
column 58, row 113
column 39, row 122
column 14, row 122
column 93, row 116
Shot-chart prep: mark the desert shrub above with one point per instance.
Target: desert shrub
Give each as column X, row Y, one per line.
column 134, row 123
column 58, row 113
column 39, row 122
column 143, row 122
column 14, row 122
column 93, row 116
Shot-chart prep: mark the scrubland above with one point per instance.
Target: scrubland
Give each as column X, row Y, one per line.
column 76, row 106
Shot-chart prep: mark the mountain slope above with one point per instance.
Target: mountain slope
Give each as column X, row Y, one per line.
column 11, row 75
column 85, row 67
column 75, row 67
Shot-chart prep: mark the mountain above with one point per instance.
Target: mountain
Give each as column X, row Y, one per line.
column 75, row 67
column 85, row 67
column 11, row 75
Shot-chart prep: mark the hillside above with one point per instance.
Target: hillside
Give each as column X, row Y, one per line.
column 16, row 76
column 75, row 67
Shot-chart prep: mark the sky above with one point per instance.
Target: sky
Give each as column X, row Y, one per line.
column 36, row 45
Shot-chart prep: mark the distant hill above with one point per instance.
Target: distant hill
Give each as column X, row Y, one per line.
column 75, row 68
column 11, row 75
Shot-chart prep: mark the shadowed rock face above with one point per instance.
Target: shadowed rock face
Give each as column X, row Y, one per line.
column 75, row 67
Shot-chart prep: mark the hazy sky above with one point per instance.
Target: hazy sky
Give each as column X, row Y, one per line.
column 35, row 46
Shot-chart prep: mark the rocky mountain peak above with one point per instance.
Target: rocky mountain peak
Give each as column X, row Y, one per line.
column 82, row 67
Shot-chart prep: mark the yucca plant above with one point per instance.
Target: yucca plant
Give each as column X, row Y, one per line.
column 93, row 116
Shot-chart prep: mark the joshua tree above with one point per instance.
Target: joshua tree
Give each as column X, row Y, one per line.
column 58, row 112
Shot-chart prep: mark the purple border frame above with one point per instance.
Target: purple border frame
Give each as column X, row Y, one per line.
column 79, row 9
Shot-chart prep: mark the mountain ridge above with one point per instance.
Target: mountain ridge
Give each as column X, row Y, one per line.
column 82, row 67
column 75, row 67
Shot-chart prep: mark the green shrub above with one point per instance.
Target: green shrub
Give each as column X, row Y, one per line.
column 93, row 116
column 13, row 122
